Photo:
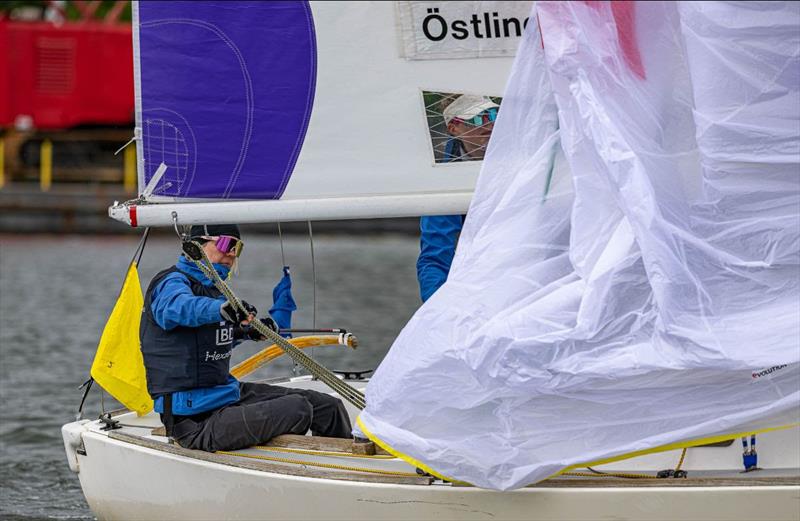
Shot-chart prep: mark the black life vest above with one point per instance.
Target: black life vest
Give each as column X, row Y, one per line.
column 184, row 358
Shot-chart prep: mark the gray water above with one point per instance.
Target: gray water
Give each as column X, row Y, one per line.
column 57, row 292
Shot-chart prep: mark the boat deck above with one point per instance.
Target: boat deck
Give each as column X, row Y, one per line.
column 340, row 459
column 356, row 472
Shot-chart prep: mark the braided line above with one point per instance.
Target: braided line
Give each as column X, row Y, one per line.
column 346, row 391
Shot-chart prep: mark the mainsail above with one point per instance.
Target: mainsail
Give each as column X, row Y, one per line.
column 281, row 111
column 653, row 296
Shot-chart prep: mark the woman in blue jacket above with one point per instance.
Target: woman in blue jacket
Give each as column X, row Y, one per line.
column 187, row 333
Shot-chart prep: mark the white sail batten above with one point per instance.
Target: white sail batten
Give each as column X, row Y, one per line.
column 245, row 212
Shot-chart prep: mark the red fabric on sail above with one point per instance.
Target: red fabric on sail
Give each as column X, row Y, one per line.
column 624, row 13
column 625, row 20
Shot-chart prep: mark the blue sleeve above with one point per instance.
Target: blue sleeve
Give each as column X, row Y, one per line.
column 173, row 304
column 437, row 247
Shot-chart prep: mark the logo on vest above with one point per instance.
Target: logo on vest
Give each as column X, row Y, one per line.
column 224, row 336
column 217, row 356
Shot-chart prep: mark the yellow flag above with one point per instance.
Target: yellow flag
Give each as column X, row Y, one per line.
column 118, row 365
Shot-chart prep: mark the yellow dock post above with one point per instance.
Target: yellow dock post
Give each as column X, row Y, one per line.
column 129, row 177
column 45, row 165
column 2, row 161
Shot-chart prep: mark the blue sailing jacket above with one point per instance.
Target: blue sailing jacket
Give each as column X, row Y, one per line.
column 283, row 304
column 437, row 247
column 438, row 238
column 173, row 304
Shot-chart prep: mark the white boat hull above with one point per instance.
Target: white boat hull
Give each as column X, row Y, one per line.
column 128, row 482
column 123, row 480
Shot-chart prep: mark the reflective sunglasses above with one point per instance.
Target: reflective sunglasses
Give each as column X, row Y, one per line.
column 226, row 244
column 484, row 118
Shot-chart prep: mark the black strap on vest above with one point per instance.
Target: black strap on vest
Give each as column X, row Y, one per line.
column 169, row 421
column 177, row 426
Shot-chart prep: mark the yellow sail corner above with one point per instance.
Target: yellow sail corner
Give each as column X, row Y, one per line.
column 118, row 365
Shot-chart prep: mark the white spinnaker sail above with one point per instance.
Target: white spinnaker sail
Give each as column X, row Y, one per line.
column 315, row 109
column 653, row 297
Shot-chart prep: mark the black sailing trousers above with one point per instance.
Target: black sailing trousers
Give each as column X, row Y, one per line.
column 262, row 412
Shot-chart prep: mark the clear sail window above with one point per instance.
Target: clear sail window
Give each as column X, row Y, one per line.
column 459, row 124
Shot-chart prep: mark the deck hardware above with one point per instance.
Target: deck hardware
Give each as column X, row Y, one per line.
column 150, row 189
column 354, row 375
column 749, row 456
column 183, row 236
column 366, row 448
column 110, row 423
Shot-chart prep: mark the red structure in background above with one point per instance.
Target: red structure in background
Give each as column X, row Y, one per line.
column 59, row 76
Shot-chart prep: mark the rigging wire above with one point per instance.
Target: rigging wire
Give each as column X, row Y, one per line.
column 313, row 278
column 86, row 386
column 313, row 285
column 280, row 238
column 137, row 256
column 295, row 365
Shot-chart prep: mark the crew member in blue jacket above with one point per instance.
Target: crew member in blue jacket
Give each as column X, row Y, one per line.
column 187, row 333
column 470, row 121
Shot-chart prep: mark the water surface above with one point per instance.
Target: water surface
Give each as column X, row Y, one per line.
column 57, row 292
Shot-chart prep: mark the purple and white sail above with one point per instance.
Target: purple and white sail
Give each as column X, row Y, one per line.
column 280, row 111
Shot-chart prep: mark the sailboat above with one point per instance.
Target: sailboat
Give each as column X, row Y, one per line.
column 622, row 307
